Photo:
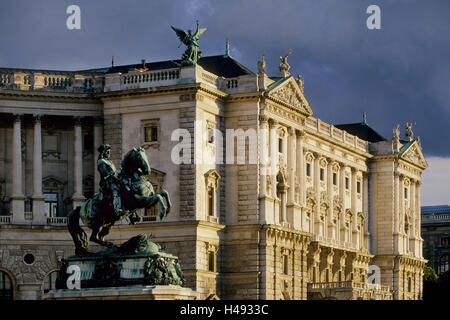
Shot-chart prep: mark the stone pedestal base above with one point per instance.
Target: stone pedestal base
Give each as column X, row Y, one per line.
column 169, row 292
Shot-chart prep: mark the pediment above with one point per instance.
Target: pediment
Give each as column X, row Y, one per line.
column 289, row 92
column 414, row 154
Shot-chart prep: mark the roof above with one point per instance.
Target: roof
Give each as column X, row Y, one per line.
column 435, row 209
column 220, row 65
column 362, row 131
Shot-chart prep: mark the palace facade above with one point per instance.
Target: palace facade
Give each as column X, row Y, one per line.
column 333, row 214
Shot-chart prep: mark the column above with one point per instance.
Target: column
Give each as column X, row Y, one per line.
column 273, row 155
column 330, row 187
column 300, row 171
column 396, row 211
column 418, row 221
column 365, row 199
column 291, row 164
column 38, row 197
column 401, row 217
column 412, row 232
column 342, row 199
column 17, row 197
column 77, row 198
column 353, row 193
column 316, row 169
column 98, row 140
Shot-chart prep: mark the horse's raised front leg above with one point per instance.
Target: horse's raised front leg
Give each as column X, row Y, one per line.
column 166, row 196
column 151, row 201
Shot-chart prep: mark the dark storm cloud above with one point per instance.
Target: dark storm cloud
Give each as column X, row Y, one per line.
column 397, row 74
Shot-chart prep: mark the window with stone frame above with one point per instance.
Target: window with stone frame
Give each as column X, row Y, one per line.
column 50, row 281
column 444, row 263
column 285, row 264
column 150, row 131
column 308, row 169
column 6, row 286
column 211, row 261
column 212, row 178
column 445, row 241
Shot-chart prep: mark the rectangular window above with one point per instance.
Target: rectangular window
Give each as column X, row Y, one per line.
column 308, row 169
column 334, row 178
column 210, row 201
column 322, row 174
column 406, row 193
column 51, row 204
column 347, row 183
column 280, row 145
column 151, row 134
column 358, row 187
column 211, row 261
column 285, row 264
column 445, row 241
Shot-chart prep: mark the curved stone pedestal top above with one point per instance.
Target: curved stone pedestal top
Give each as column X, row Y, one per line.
column 169, row 292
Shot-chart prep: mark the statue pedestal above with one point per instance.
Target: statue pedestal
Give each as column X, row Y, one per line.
column 138, row 269
column 169, row 292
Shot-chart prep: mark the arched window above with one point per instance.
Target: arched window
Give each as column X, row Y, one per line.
column 50, row 281
column 443, row 264
column 6, row 286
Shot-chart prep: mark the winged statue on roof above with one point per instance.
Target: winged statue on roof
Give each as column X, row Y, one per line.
column 190, row 40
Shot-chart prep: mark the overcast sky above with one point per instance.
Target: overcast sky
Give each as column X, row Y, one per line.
column 396, row 74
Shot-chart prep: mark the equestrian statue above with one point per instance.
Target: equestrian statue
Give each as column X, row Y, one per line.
column 121, row 194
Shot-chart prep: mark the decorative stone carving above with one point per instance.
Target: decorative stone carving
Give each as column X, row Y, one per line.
column 288, row 94
column 262, row 66
column 300, row 82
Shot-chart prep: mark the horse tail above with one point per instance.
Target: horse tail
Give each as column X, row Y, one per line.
column 78, row 234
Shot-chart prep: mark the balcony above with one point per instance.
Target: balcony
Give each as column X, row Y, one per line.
column 348, row 290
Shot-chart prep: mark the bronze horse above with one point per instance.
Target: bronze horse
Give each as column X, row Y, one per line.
column 136, row 191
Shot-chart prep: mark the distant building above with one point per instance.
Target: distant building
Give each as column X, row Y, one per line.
column 436, row 235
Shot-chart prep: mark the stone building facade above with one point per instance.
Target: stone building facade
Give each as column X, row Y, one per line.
column 436, row 235
column 269, row 202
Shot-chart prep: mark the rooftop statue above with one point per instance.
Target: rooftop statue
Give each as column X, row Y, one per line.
column 284, row 65
column 262, row 65
column 408, row 131
column 189, row 39
column 122, row 193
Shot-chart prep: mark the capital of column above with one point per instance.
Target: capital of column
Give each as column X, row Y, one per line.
column 272, row 122
column 299, row 133
column 77, row 121
column 291, row 131
column 37, row 118
column 17, row 117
